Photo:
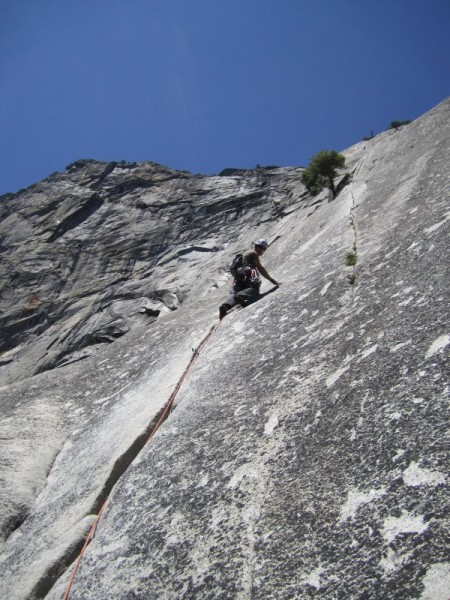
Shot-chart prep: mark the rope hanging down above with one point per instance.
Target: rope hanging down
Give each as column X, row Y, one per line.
column 195, row 354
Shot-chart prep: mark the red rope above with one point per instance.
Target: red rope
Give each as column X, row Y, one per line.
column 80, row 556
column 167, row 408
column 173, row 395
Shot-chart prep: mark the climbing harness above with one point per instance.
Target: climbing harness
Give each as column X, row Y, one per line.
column 162, row 418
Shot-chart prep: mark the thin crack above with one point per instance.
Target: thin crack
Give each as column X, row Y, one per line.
column 352, row 255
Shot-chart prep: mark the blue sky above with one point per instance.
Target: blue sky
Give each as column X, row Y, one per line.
column 207, row 84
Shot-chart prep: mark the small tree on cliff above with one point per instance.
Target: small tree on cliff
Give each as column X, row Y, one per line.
column 322, row 170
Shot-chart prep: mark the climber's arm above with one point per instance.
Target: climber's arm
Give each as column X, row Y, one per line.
column 264, row 273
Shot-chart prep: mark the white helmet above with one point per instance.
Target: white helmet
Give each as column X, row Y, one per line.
column 263, row 243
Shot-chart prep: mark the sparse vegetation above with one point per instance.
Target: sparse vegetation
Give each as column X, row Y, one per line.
column 397, row 124
column 78, row 164
column 351, row 259
column 322, row 170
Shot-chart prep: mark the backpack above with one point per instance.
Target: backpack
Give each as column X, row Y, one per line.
column 244, row 274
column 238, row 264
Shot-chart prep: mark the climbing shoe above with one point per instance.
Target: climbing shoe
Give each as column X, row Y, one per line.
column 222, row 311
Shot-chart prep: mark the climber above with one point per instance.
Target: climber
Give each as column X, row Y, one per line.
column 246, row 283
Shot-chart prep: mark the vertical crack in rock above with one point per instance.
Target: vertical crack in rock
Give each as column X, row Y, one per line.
column 55, row 571
column 352, row 255
column 121, row 465
column 124, row 461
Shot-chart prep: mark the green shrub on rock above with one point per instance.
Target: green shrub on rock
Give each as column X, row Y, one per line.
column 322, row 170
column 397, row 124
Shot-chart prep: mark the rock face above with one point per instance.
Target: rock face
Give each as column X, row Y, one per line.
column 104, row 248
column 306, row 455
